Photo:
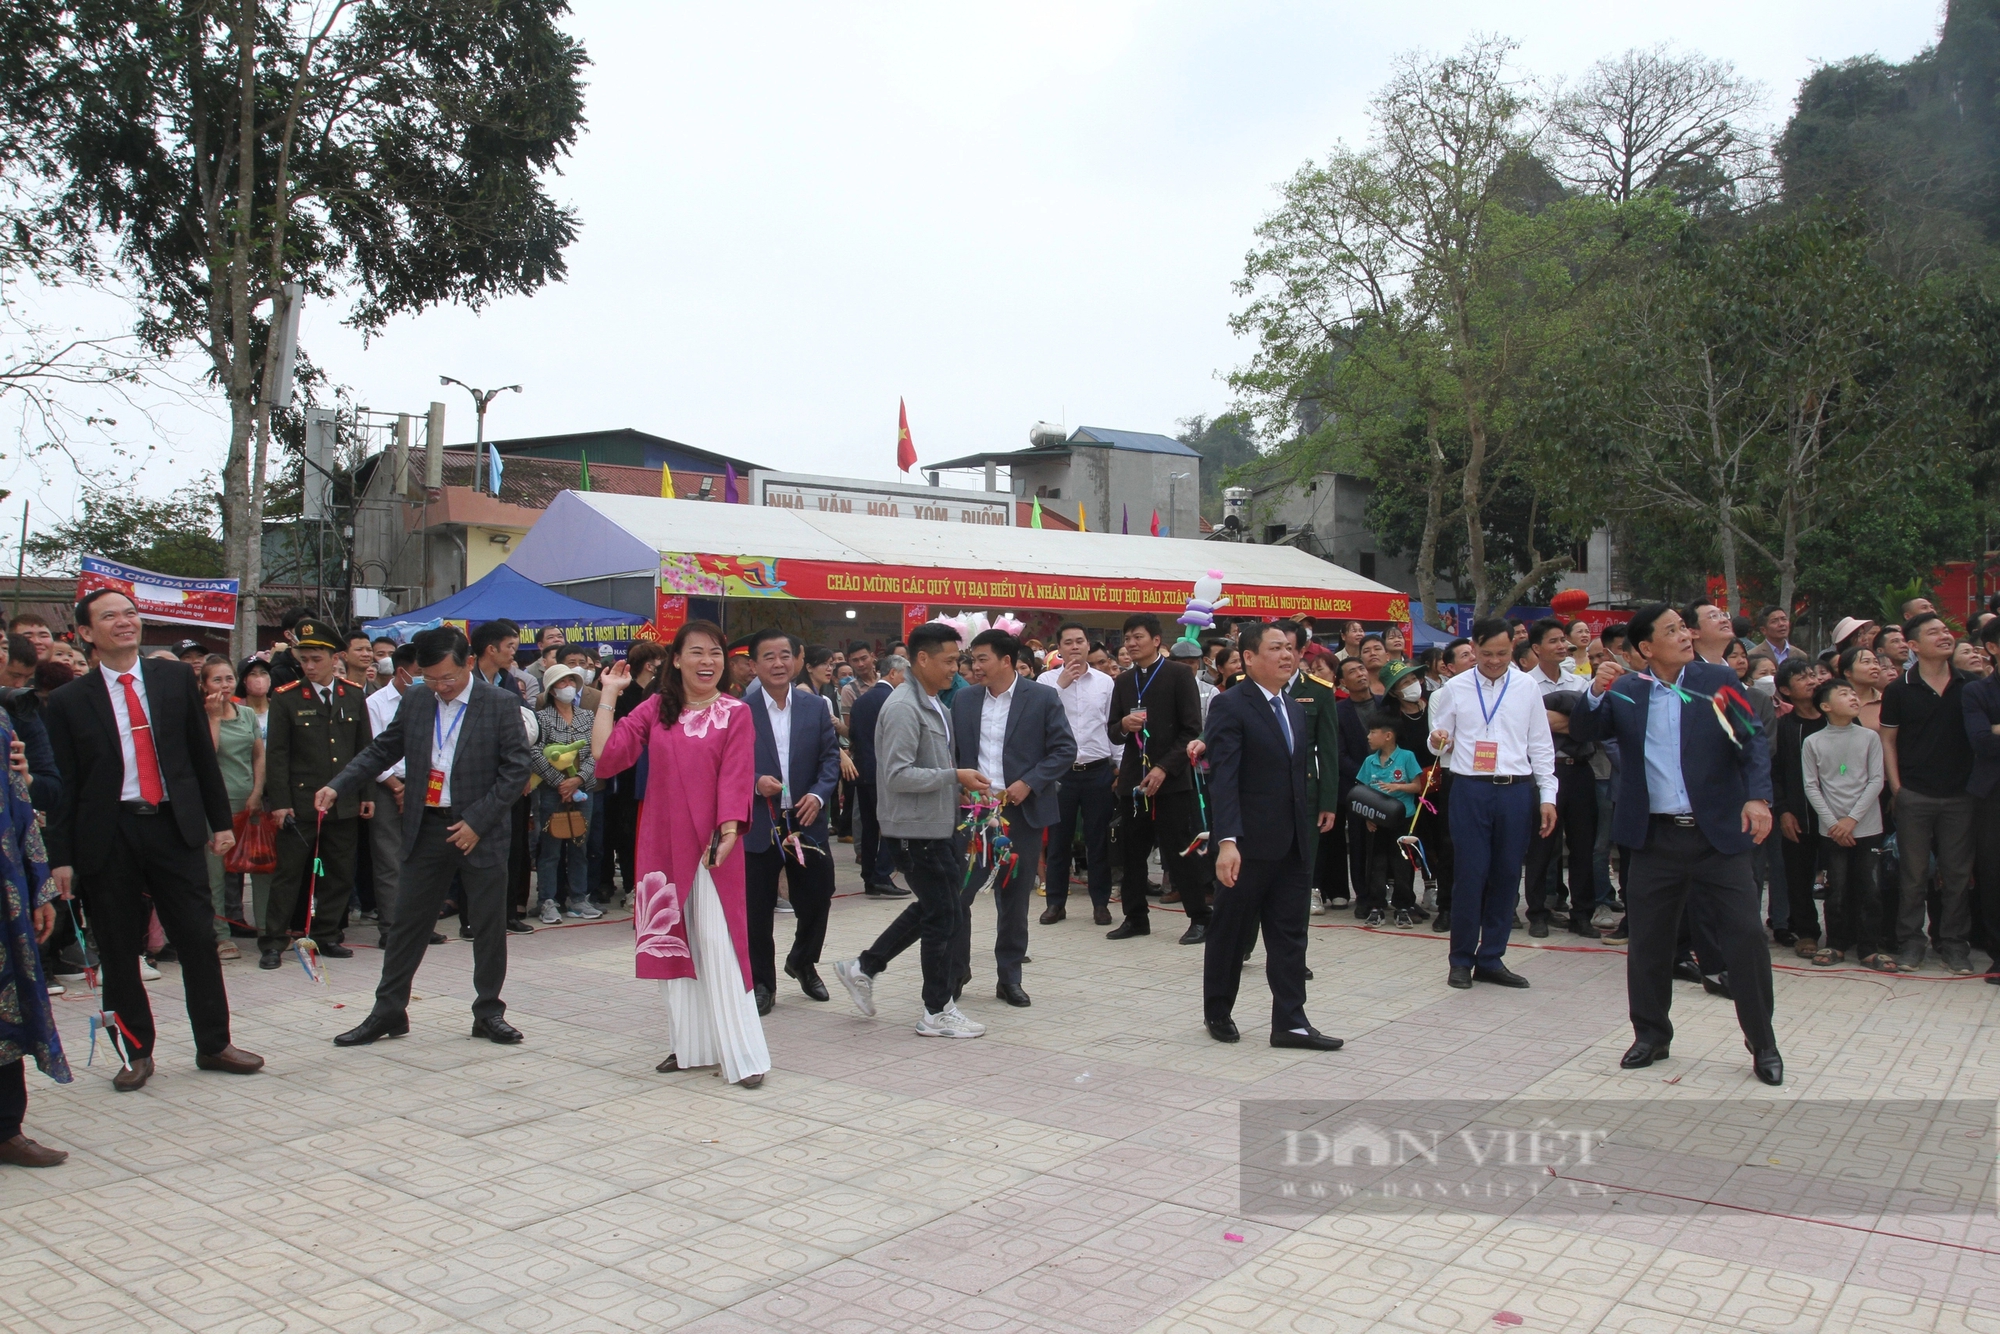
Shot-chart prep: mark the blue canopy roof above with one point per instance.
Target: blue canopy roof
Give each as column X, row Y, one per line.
column 506, row 594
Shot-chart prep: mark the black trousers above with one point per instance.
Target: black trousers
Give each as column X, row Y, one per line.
column 1679, row 868
column 621, row 838
column 1576, row 831
column 1386, row 861
column 935, row 869
column 811, row 889
column 877, row 864
column 1986, row 873
column 426, row 874
column 1853, row 895
column 1085, row 798
column 1801, row 862
column 520, row 860
column 150, row 869
column 295, row 868
column 1171, row 819
column 13, row 1097
column 1010, row 903
column 1273, row 894
column 1434, row 830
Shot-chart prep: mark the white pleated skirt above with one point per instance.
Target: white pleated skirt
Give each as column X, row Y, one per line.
column 712, row 1016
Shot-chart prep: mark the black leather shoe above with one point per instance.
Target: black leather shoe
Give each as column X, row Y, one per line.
column 1538, row 927
column 518, row 925
column 1195, row 934
column 1051, row 915
column 1687, row 970
column 765, row 999
column 1585, row 929
column 1770, row 1066
column 1442, row 922
column 335, row 952
column 1460, row 978
column 373, row 1027
column 1717, row 985
column 1309, row 974
column 1011, row 993
column 887, row 891
column 496, row 1030
column 465, row 931
column 1642, row 1054
column 437, row 937
column 269, row 959
column 1129, row 928
column 1224, row 1030
column 1500, row 975
column 1101, row 916
column 809, row 982
column 1310, row 1040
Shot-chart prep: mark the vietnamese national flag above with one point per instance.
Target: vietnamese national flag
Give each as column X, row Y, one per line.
column 1156, row 523
column 906, row 449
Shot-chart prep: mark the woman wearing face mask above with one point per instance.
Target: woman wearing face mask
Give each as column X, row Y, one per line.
column 567, row 782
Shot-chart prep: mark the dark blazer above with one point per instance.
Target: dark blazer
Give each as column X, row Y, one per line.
column 815, row 762
column 1720, row 775
column 1353, row 751
column 488, row 769
column 1173, row 718
column 861, row 729
column 44, row 779
column 1256, row 789
column 1039, row 747
column 84, row 732
column 1981, row 702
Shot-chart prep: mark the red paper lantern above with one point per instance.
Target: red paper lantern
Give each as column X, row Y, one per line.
column 1570, row 601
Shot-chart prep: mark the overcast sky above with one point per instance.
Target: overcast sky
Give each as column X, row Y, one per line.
column 794, row 214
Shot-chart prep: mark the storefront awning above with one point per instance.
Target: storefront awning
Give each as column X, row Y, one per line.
column 704, row 549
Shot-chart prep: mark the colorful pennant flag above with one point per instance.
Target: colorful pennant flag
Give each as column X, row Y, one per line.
column 1081, row 526
column 493, row 467
column 666, row 482
column 1156, row 523
column 584, row 454
column 1035, row 519
column 1125, row 519
column 729, row 484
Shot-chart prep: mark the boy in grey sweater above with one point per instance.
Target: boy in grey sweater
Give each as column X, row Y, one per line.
column 916, row 801
column 1842, row 766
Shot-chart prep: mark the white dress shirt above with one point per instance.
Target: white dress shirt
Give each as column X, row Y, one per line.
column 993, row 730
column 446, row 726
column 781, row 735
column 130, row 791
column 1519, row 726
column 382, row 706
column 1280, row 715
column 1087, row 702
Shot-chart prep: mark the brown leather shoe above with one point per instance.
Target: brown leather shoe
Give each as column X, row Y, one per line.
column 231, row 1060
column 1101, row 916
column 126, row 1081
column 21, row 1151
column 1171, row 896
column 1050, row 916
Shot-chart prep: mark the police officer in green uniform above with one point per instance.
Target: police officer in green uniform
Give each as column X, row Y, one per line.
column 317, row 725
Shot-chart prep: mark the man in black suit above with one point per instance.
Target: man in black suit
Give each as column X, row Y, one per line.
column 141, row 793
column 1015, row 731
column 795, row 785
column 1155, row 712
column 1696, row 798
column 877, row 863
column 1264, row 826
column 465, row 755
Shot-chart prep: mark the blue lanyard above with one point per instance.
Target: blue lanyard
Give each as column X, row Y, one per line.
column 1479, row 688
column 1139, row 701
column 439, row 736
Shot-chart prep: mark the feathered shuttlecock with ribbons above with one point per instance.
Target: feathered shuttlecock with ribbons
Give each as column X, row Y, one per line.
column 984, row 825
column 108, row 1023
column 1724, row 701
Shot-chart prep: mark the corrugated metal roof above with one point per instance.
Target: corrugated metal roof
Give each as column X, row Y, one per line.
column 1145, row 442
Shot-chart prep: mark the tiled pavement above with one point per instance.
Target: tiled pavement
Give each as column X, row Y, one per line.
column 1073, row 1170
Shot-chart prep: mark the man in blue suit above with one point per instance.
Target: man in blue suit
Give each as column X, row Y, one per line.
column 798, row 766
column 878, row 864
column 1264, row 828
column 1014, row 730
column 1696, row 798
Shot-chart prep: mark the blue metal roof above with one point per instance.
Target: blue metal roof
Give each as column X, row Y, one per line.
column 1145, row 442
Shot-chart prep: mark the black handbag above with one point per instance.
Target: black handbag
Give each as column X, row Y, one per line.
column 1365, row 803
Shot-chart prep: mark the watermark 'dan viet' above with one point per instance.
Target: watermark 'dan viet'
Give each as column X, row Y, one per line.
column 1810, row 1159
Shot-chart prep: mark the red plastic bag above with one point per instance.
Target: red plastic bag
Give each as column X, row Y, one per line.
column 256, row 850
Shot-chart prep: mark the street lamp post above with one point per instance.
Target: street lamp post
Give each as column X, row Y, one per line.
column 480, row 398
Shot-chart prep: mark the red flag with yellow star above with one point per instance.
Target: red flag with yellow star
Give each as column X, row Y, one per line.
column 906, row 449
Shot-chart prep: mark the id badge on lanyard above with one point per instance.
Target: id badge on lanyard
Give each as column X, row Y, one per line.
column 434, row 787
column 1486, row 754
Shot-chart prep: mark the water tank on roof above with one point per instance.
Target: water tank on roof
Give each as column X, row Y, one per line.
column 1043, row 434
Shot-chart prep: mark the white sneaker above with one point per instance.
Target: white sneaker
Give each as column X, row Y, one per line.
column 1318, row 904
column 57, row 988
column 1341, row 901
column 583, row 909
column 550, row 915
column 1604, row 918
column 860, row 986
column 949, row 1023
column 147, row 973
column 785, row 906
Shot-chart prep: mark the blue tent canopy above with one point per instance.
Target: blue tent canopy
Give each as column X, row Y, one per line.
column 508, row 594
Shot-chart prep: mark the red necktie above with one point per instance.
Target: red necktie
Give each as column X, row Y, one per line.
column 142, row 744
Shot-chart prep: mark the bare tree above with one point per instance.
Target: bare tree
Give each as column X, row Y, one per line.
column 1656, row 118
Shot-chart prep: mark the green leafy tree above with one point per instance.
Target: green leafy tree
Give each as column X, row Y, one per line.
column 179, row 535
column 1226, row 443
column 226, row 157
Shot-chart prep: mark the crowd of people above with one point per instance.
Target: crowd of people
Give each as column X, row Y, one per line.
column 1681, row 783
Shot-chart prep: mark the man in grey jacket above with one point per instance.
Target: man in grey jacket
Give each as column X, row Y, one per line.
column 916, row 787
